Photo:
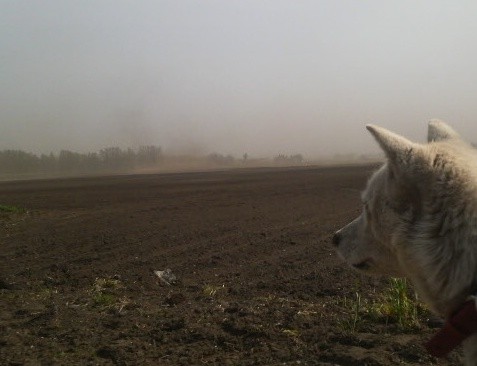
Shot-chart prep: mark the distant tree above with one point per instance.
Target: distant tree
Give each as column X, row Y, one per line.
column 92, row 162
column 220, row 159
column 18, row 161
column 149, row 155
column 113, row 158
column 48, row 163
column 280, row 158
column 129, row 159
column 69, row 161
column 296, row 159
column 107, row 159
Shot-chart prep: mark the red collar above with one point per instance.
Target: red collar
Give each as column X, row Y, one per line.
column 459, row 326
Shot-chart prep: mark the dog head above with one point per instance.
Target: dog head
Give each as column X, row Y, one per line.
column 392, row 202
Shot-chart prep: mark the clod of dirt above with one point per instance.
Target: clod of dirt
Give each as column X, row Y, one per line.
column 5, row 285
column 106, row 352
column 174, row 299
column 173, row 324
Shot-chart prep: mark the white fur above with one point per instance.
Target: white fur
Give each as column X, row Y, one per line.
column 419, row 219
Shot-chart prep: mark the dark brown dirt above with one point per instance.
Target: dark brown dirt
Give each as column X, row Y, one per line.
column 258, row 281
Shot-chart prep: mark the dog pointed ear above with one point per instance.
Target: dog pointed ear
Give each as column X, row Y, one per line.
column 398, row 149
column 439, row 131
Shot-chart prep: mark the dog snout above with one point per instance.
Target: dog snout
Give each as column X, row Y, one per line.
column 336, row 239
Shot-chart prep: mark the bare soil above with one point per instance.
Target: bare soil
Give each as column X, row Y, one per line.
column 258, row 282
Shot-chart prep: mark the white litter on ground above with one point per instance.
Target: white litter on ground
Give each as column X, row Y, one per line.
column 166, row 276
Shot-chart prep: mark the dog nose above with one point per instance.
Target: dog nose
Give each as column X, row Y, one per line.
column 336, row 239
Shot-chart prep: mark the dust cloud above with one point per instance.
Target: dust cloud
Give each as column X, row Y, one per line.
column 217, row 81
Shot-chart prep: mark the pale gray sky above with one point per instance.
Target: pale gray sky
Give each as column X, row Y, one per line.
column 262, row 77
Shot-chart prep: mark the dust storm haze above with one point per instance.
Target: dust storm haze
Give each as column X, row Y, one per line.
column 262, row 77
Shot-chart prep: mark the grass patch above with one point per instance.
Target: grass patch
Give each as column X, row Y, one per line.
column 398, row 304
column 104, row 300
column 11, row 209
column 356, row 312
column 293, row 333
column 211, row 290
column 106, row 284
column 104, row 293
column 46, row 294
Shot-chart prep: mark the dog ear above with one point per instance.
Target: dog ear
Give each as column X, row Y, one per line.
column 398, row 149
column 439, row 131
column 403, row 158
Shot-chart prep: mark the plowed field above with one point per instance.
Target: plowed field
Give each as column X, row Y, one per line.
column 258, row 282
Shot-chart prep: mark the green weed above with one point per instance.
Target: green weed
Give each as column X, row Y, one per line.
column 396, row 305
column 106, row 284
column 103, row 292
column 293, row 333
column 11, row 209
column 400, row 305
column 211, row 290
column 104, row 300
column 355, row 316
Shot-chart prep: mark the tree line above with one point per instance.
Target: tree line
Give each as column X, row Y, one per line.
column 109, row 159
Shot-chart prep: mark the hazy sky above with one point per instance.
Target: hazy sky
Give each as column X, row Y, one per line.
column 262, row 77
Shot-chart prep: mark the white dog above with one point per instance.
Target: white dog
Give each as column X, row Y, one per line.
column 419, row 221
